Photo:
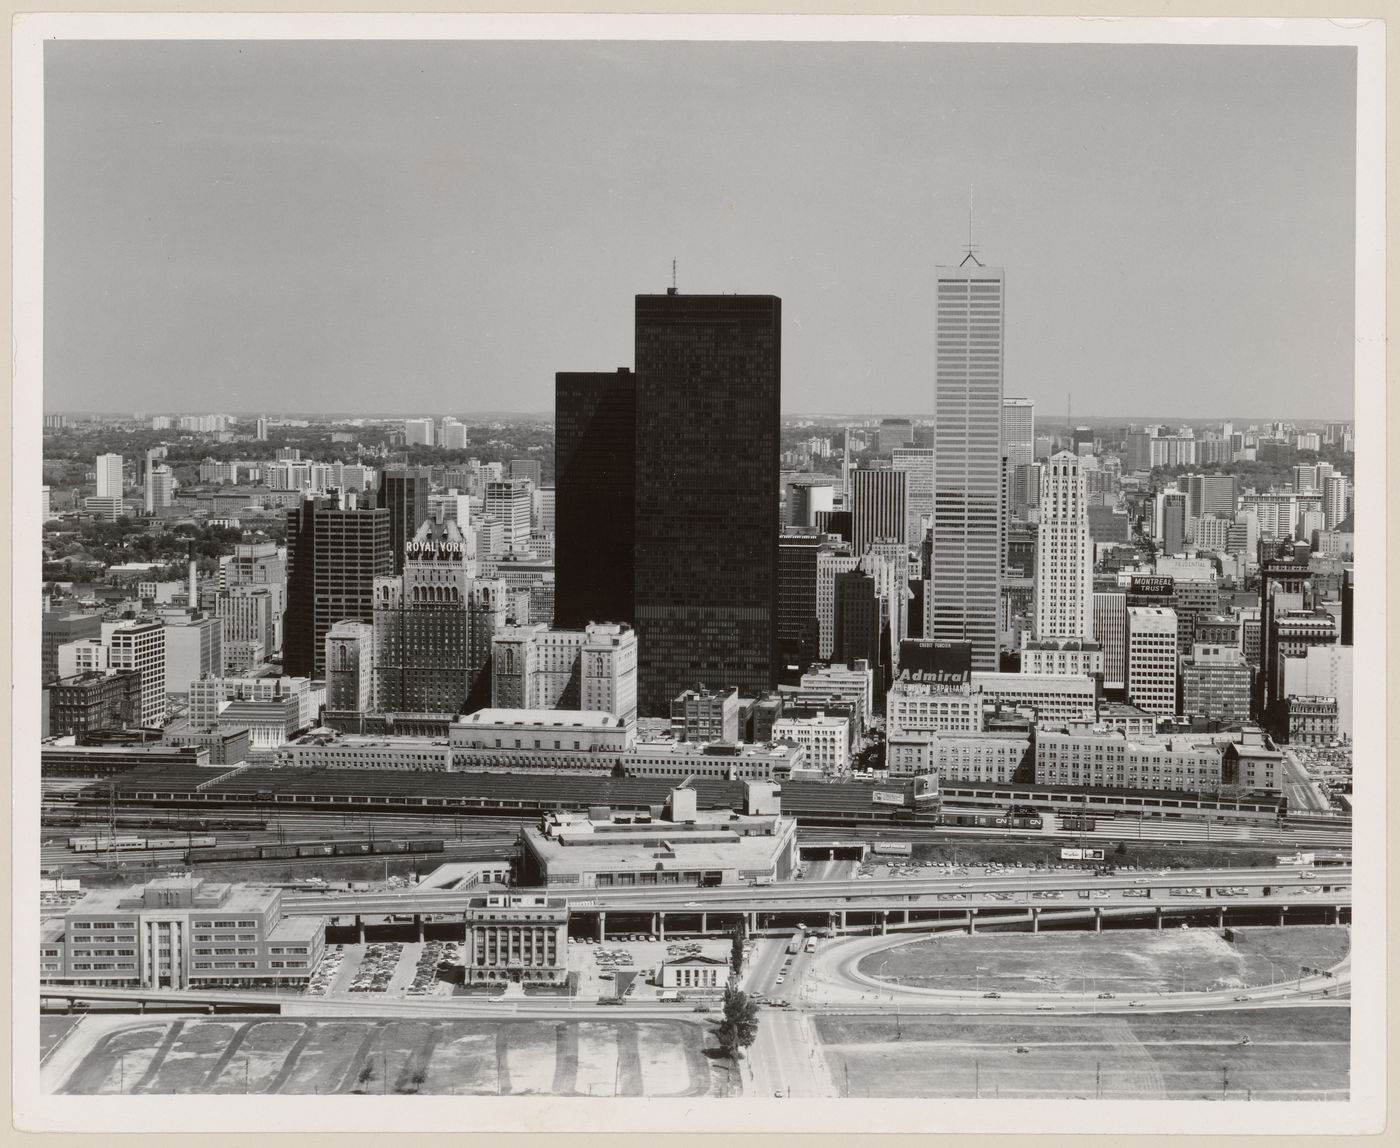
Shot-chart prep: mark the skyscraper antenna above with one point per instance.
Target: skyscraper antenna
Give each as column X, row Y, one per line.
column 673, row 274
column 971, row 246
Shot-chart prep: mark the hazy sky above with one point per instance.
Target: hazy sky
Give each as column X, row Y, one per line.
column 439, row 227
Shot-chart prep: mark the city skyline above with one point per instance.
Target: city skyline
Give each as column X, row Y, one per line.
column 1246, row 171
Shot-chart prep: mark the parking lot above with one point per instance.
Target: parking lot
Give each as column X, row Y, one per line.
column 599, row 964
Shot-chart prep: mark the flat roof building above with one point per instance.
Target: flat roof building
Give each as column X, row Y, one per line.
column 677, row 844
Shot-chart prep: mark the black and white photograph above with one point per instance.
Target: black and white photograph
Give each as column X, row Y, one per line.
column 729, row 574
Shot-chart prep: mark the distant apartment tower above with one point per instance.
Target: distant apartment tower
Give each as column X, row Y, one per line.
column 1111, row 633
column 918, row 463
column 1215, row 494
column 333, row 557
column 595, row 475
column 709, row 370
column 454, row 434
column 109, row 476
column 1171, row 521
column 1064, row 564
column 879, row 507
column 403, row 492
column 261, row 432
column 140, row 646
column 1336, row 499
column 433, row 626
column 1151, row 645
column 418, row 432
column 964, row 586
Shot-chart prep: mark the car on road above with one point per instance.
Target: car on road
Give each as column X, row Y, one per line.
column 1022, row 1048
column 701, row 1008
column 780, row 979
column 692, row 904
column 992, row 996
column 1244, row 997
column 1139, row 880
column 965, row 885
column 1135, row 1004
column 611, row 1000
column 1044, row 1008
column 778, row 1092
column 1307, row 876
column 1108, row 996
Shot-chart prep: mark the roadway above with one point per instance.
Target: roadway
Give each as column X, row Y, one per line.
column 972, row 890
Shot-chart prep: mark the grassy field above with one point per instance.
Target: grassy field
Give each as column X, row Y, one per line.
column 1294, row 1054
column 436, row 1057
column 1120, row 960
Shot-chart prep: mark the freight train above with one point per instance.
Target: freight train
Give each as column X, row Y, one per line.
column 984, row 819
column 302, row 849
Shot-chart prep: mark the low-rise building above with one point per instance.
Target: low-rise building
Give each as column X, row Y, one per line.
column 1312, row 720
column 516, row 937
column 825, row 737
column 678, row 844
column 94, row 701
column 320, row 751
column 915, row 707
column 182, row 932
column 1098, row 757
column 706, row 715
column 1252, row 764
column 694, row 972
column 1132, row 720
column 1061, row 656
column 992, row 756
column 588, row 731
column 1051, row 697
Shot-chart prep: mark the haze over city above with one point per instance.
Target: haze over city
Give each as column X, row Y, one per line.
column 272, row 226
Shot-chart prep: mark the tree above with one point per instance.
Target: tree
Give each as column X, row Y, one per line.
column 736, row 952
column 738, row 1028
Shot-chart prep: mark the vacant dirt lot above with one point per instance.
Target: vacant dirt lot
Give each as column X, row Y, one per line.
column 1294, row 1054
column 300, row 1056
column 1121, row 961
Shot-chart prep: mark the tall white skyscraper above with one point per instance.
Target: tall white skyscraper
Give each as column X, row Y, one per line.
column 1336, row 499
column 918, row 462
column 1151, row 648
column 454, row 434
column 109, row 476
column 965, row 587
column 1064, row 561
column 261, row 429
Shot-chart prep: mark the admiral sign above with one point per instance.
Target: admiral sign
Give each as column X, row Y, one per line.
column 930, row 663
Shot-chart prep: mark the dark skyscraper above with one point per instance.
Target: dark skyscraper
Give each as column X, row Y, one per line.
column 595, row 476
column 333, row 557
column 403, row 492
column 799, row 628
column 708, row 412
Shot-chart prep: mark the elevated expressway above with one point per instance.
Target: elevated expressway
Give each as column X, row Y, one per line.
column 902, row 902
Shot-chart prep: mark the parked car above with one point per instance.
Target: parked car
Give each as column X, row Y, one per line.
column 1044, row 1008
column 992, row 996
column 1107, row 996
